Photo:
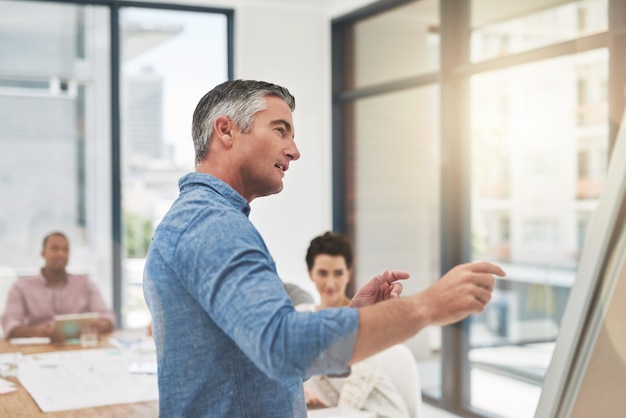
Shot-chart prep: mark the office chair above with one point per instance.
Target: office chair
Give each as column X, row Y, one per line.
column 401, row 368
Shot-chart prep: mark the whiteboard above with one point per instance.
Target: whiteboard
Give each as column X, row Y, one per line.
column 587, row 374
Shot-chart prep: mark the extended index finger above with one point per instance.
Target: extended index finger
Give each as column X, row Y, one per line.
column 395, row 275
column 486, row 267
column 389, row 276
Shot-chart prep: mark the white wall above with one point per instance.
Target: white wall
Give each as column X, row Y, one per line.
column 290, row 46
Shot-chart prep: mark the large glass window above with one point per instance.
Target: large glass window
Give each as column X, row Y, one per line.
column 59, row 158
column 409, row 48
column 525, row 94
column 504, row 28
column 54, row 137
column 530, row 202
column 394, row 189
column 391, row 145
column 158, row 98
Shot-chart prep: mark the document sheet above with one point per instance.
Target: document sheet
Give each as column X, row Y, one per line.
column 78, row 379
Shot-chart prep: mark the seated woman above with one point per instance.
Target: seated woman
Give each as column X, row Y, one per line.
column 367, row 388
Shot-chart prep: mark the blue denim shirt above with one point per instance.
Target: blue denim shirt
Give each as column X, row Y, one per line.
column 229, row 342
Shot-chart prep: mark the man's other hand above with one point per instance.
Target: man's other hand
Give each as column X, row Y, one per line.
column 382, row 287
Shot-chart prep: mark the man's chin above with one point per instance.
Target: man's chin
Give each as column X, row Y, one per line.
column 270, row 191
column 275, row 190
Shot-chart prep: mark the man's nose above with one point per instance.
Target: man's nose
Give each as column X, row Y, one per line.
column 293, row 152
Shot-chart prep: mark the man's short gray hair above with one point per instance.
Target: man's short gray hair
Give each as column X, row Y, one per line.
column 238, row 100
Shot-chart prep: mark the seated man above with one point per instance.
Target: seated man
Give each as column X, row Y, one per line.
column 329, row 262
column 33, row 301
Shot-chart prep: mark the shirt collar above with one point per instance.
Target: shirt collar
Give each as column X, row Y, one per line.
column 222, row 188
column 43, row 279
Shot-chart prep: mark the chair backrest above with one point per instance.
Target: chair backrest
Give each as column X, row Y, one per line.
column 401, row 368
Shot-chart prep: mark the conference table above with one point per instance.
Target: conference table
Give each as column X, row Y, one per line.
column 20, row 404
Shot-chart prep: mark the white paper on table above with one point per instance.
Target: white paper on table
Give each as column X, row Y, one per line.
column 9, row 363
column 6, row 386
column 148, row 367
column 79, row 379
column 30, row 341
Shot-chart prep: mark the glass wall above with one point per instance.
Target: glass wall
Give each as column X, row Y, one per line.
column 60, row 91
column 505, row 28
column 524, row 93
column 54, row 137
column 539, row 161
column 158, row 98
column 394, row 190
column 409, row 47
column 390, row 140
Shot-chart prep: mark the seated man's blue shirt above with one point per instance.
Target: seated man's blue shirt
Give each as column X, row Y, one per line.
column 229, row 342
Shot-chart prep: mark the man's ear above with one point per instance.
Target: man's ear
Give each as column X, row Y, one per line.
column 223, row 129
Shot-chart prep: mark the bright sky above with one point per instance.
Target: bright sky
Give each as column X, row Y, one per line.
column 191, row 63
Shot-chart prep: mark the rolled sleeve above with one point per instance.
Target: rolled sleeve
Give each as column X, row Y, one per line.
column 339, row 352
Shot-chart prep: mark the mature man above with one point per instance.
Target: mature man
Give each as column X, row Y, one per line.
column 33, row 301
column 229, row 342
